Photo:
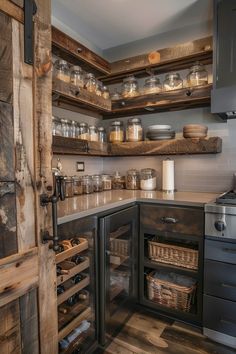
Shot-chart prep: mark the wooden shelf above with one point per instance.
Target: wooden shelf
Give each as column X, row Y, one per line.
column 73, row 290
column 72, row 312
column 72, row 270
column 72, row 251
column 72, row 146
column 181, row 99
column 170, row 268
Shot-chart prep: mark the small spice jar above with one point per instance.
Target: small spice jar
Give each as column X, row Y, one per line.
column 134, row 130
column 172, row 82
column 148, row 180
column 152, row 85
column 132, row 180
column 107, row 182
column 91, row 83
column 97, row 183
column 87, row 183
column 56, row 126
column 77, row 76
column 69, row 188
column 105, row 93
column 130, row 87
column 197, row 75
column 61, row 70
column 77, row 183
column 118, row 181
column 93, row 133
column 102, row 136
column 82, row 131
column 65, row 128
column 116, row 134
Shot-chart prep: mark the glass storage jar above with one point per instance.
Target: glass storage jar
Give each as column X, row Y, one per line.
column 130, row 87
column 148, row 180
column 87, row 183
column 102, row 136
column 134, row 130
column 91, row 83
column 107, row 182
column 83, row 132
column 56, row 126
column 77, row 183
column 132, row 180
column 99, row 89
column 65, row 128
column 197, row 75
column 118, row 181
column 69, row 188
column 152, row 85
column 116, row 134
column 61, row 70
column 116, row 95
column 73, row 129
column 77, row 76
column 105, row 93
column 172, row 82
column 93, row 133
column 97, row 183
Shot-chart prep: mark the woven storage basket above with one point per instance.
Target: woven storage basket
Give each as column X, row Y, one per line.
column 171, row 254
column 119, row 247
column 169, row 294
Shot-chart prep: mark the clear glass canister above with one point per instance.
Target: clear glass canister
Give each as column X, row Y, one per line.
column 82, row 131
column 152, row 85
column 69, row 188
column 116, row 134
column 73, row 129
column 65, row 128
column 118, row 181
column 87, row 183
column 77, row 183
column 107, row 182
column 77, row 76
column 61, row 70
column 97, row 183
column 116, row 95
column 134, row 130
column 56, row 126
column 197, row 75
column 105, row 93
column 93, row 133
column 102, row 136
column 172, row 82
column 130, row 87
column 132, row 180
column 91, row 83
column 98, row 88
column 148, row 180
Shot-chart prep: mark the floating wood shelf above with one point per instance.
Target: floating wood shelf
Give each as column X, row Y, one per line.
column 198, row 96
column 72, row 270
column 66, row 93
column 72, row 251
column 73, row 290
column 71, row 146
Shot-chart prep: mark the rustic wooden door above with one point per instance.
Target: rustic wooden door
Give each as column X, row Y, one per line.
column 28, row 316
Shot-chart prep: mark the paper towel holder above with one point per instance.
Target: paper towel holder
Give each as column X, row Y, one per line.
column 168, row 190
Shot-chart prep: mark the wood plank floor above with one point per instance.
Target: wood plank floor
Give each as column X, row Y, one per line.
column 146, row 334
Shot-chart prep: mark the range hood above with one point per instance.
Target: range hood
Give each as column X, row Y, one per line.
column 223, row 97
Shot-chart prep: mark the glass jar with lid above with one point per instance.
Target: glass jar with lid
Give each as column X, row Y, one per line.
column 116, row 134
column 115, row 96
column 97, row 183
column 56, row 126
column 99, row 88
column 197, row 75
column 152, row 85
column 65, row 128
column 105, row 92
column 107, row 182
column 148, row 179
column 91, row 83
column 132, row 180
column 61, row 70
column 172, row 82
column 77, row 184
column 69, row 188
column 73, row 129
column 118, row 181
column 93, row 133
column 77, row 76
column 130, row 87
column 102, row 136
column 87, row 183
column 82, row 131
column 134, row 130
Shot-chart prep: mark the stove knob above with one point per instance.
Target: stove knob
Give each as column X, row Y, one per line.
column 220, row 225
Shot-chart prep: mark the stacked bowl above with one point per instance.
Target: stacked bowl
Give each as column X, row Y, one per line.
column 160, row 132
column 195, row 131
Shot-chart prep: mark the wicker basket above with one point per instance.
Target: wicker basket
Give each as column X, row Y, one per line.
column 119, row 247
column 170, row 294
column 171, row 254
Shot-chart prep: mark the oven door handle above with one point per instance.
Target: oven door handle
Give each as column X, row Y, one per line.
column 229, row 250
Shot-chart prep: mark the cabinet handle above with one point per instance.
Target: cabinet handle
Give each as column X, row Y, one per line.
column 168, row 220
column 229, row 250
column 229, row 322
column 225, row 285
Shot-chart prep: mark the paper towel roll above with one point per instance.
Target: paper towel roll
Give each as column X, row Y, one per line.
column 168, row 173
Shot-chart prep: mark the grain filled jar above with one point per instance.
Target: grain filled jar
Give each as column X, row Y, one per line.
column 132, row 180
column 148, row 180
column 91, row 83
column 118, row 181
column 97, row 183
column 87, row 183
column 69, row 188
column 61, row 70
column 77, row 184
column 172, row 82
column 83, row 131
column 152, row 85
column 116, row 134
column 93, row 133
column 102, row 135
column 105, row 92
column 107, row 182
column 197, row 75
column 130, row 87
column 77, row 76
column 134, row 130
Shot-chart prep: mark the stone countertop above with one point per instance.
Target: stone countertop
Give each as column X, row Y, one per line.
column 90, row 204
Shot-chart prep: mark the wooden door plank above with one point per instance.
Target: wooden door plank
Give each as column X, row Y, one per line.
column 12, row 9
column 10, row 341
column 7, row 163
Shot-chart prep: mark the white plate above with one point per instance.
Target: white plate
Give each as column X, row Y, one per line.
column 156, row 127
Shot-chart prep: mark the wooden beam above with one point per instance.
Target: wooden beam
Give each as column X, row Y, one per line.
column 12, row 10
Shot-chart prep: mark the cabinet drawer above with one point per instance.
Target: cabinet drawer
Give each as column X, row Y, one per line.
column 220, row 280
column 219, row 315
column 173, row 219
column 220, row 251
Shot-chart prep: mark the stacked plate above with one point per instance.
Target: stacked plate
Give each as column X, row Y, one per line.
column 160, row 132
column 195, row 131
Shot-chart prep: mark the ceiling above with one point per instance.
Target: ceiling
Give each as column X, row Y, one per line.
column 110, row 23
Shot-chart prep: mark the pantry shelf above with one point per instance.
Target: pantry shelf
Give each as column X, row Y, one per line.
column 83, row 245
column 73, row 290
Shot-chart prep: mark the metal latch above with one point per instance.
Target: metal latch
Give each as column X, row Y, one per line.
column 30, row 10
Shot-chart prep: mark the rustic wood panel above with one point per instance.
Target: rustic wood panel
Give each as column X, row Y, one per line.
column 69, row 145
column 8, row 238
column 12, row 9
column 76, row 53
column 19, row 274
column 167, row 147
column 10, row 340
column 7, row 161
column 19, row 3
column 5, row 58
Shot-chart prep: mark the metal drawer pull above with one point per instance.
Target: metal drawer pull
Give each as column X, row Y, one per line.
column 228, row 285
column 229, row 250
column 228, row 322
column 168, row 220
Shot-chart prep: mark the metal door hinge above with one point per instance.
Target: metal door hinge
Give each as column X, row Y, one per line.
column 30, row 10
